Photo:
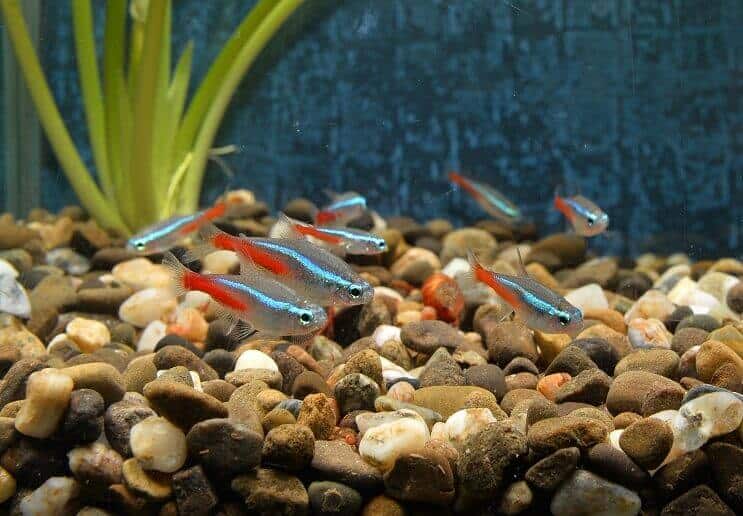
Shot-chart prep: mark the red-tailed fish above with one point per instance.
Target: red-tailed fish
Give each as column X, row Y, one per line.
column 267, row 305
column 166, row 234
column 338, row 238
column 585, row 216
column 491, row 200
column 541, row 308
column 306, row 268
column 343, row 208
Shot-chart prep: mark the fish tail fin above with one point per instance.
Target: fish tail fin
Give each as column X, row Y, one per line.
column 178, row 273
column 204, row 244
column 285, row 227
column 476, row 266
column 456, row 178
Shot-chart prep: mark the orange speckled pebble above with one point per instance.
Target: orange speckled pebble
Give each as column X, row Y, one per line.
column 549, row 385
column 444, row 295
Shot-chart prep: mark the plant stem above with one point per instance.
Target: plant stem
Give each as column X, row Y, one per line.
column 249, row 51
column 78, row 175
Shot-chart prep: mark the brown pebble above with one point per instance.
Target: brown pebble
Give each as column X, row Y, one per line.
column 550, row 384
column 647, row 442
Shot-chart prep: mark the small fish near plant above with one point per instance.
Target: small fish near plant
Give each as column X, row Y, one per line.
column 150, row 147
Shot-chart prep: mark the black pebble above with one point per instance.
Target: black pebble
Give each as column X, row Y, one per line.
column 177, row 340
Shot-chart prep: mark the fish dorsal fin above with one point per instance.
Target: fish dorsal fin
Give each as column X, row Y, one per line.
column 285, row 227
column 522, row 268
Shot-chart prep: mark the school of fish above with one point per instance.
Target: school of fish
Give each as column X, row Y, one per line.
column 291, row 282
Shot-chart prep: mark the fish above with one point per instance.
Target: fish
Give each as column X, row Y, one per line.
column 306, row 268
column 266, row 305
column 541, row 308
column 338, row 238
column 584, row 215
column 343, row 208
column 166, row 234
column 491, row 200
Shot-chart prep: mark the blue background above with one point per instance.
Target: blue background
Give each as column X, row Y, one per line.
column 636, row 104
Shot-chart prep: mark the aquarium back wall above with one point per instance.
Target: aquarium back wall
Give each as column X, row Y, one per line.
column 635, row 104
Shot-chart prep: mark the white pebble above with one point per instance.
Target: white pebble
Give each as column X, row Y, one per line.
column 671, row 277
column 13, row 297
column 51, row 497
column 614, row 436
column 7, row 269
column 145, row 306
column 387, row 292
column 47, row 396
column 140, row 273
column 652, row 304
column 466, row 422
column 381, row 445
column 88, row 334
column 648, row 333
column 151, row 335
column 158, row 444
column 368, row 420
column 588, row 297
column 254, row 359
column 687, row 292
column 220, row 262
column 385, row 332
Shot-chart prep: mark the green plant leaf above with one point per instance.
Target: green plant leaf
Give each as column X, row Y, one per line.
column 140, row 169
column 207, row 90
column 160, row 137
column 247, row 54
column 90, row 85
column 85, row 187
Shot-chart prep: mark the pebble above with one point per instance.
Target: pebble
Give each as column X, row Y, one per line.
column 643, row 392
column 551, row 383
column 150, row 484
column 340, row 462
column 254, row 359
column 663, row 362
column 423, row 476
column 68, row 260
column 415, row 265
column 141, row 273
column 648, row 333
column 441, row 369
column 588, row 298
column 734, row 298
column 698, row 500
column 151, row 335
column 427, row 336
column 181, row 404
column 686, row 338
column 443, row 294
column 83, row 420
column 289, row 447
column 681, row 474
column 549, row 435
column 333, row 498
column 268, row 491
column 7, row 485
column 98, row 376
column 571, row 360
column 456, row 243
column 549, row 472
column 88, row 334
column 647, row 442
column 385, row 403
column 119, row 419
column 485, row 463
column 589, row 386
column 516, row 499
column 401, row 391
column 653, row 304
column 194, row 493
column 382, row 444
column 51, row 497
column 445, row 400
column 508, row 340
column 147, row 305
column 158, row 445
column 318, row 414
column 714, row 354
column 47, row 397
column 489, row 377
column 14, row 299
column 224, row 446
column 584, row 493
column 463, row 424
column 613, row 464
column 725, row 460
column 95, row 464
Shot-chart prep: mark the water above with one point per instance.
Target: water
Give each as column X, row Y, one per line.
column 633, row 104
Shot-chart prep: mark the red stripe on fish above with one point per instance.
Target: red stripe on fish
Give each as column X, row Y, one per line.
column 325, row 217
column 312, row 231
column 212, row 213
column 242, row 246
column 491, row 280
column 465, row 184
column 201, row 282
column 563, row 207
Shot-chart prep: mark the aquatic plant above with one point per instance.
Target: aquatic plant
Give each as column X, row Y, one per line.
column 149, row 149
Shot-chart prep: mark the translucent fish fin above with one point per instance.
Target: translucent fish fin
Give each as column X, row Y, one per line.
column 248, row 267
column 303, row 340
column 522, row 268
column 242, row 330
column 177, row 271
column 204, row 244
column 285, row 227
column 330, row 194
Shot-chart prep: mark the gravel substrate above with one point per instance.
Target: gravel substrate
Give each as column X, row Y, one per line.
column 119, row 398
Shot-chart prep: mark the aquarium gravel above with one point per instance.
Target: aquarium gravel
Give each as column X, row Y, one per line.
column 119, row 397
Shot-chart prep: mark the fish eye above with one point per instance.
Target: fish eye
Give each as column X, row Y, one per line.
column 139, row 246
column 355, row 291
column 305, row 317
column 382, row 244
column 564, row 319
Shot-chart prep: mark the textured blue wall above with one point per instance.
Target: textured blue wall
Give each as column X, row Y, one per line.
column 637, row 104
